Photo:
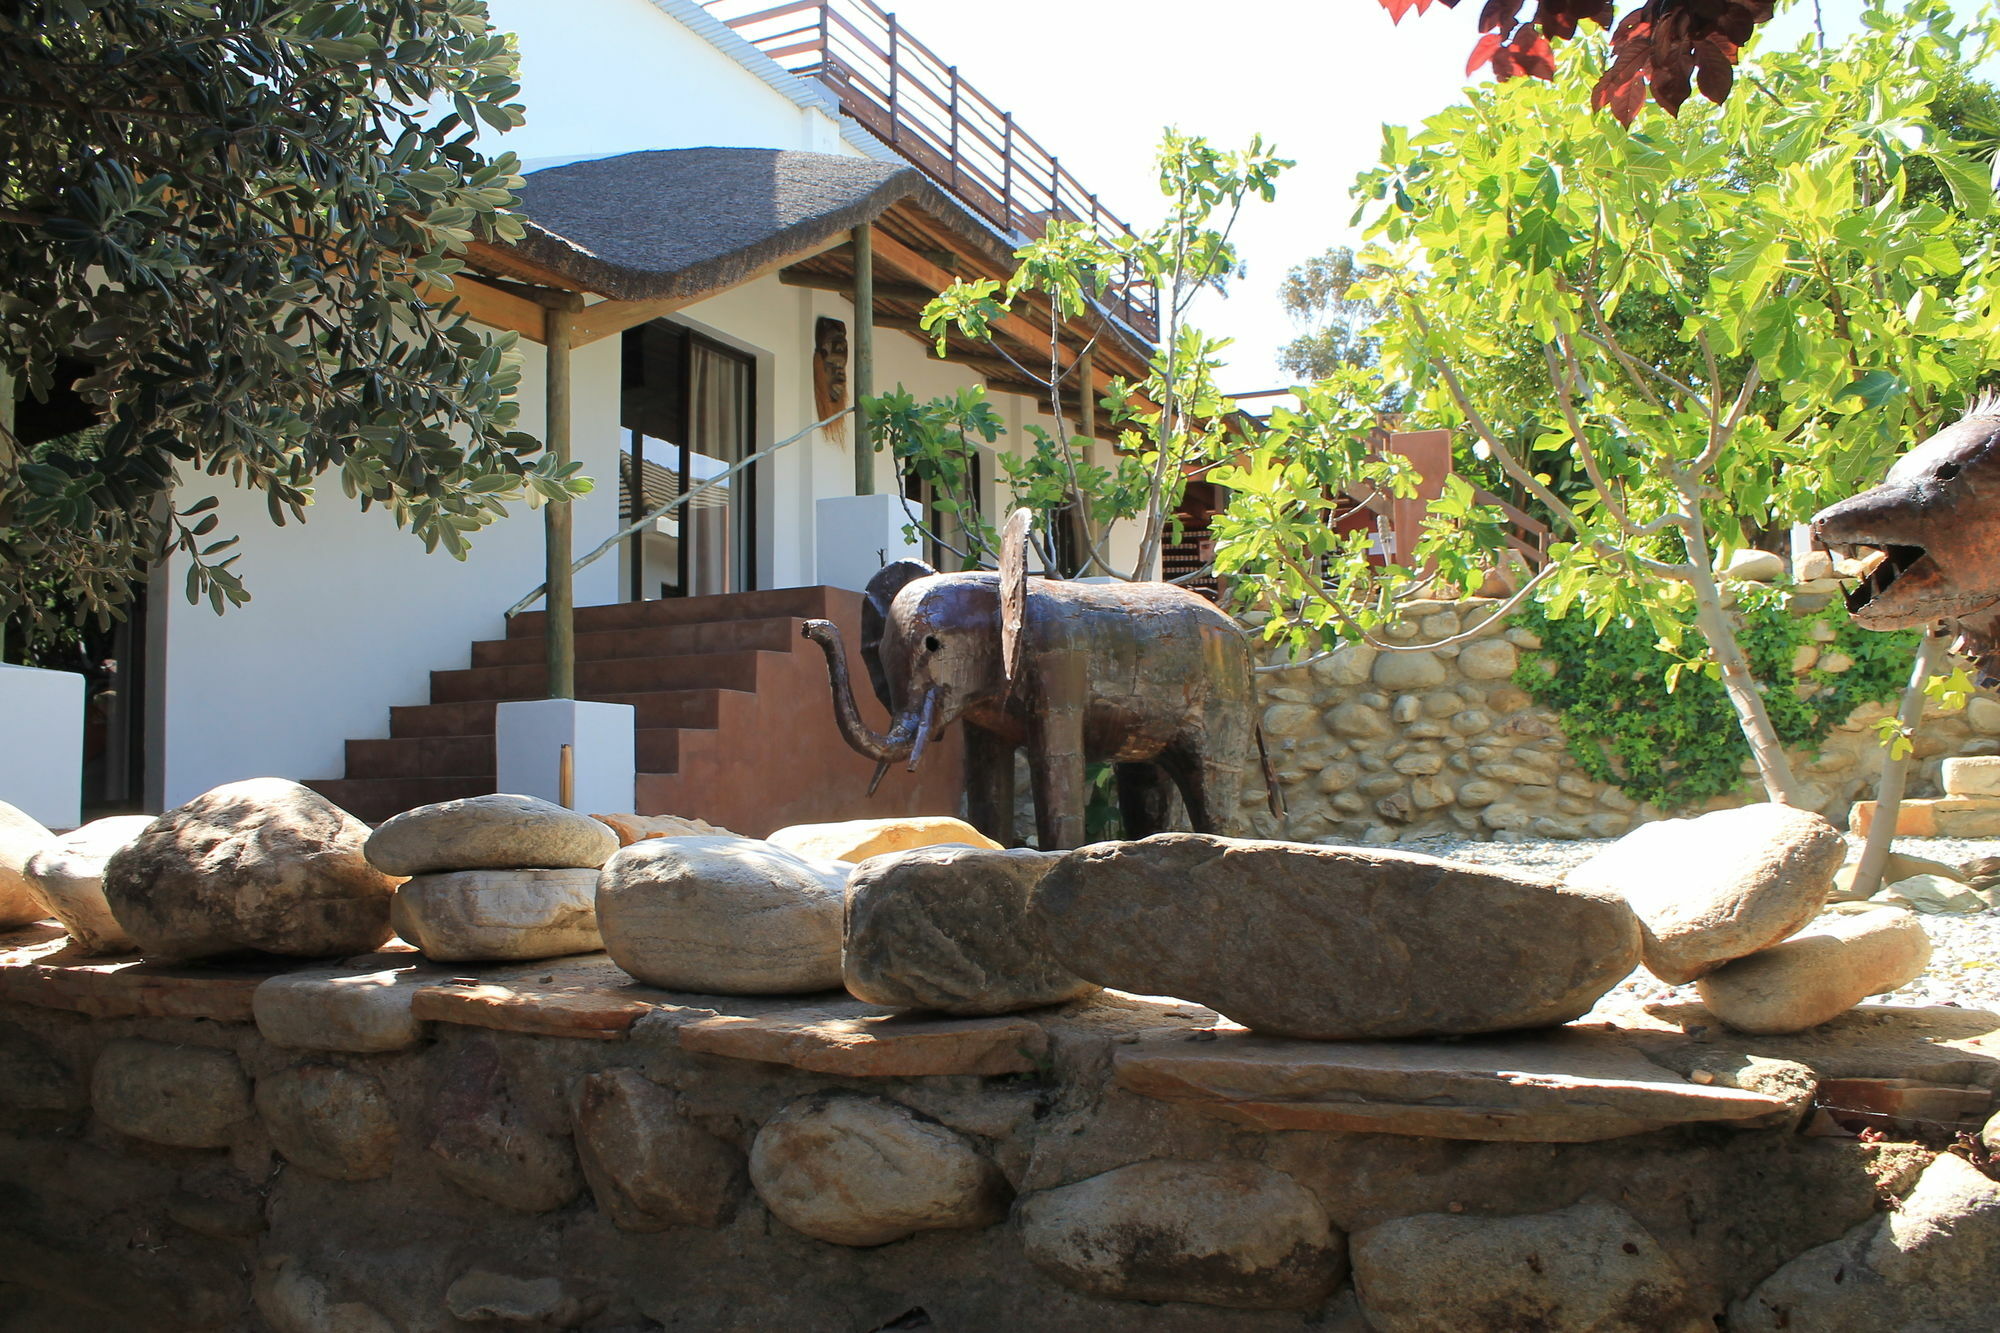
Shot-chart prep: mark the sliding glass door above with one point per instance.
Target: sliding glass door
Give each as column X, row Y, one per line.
column 688, row 409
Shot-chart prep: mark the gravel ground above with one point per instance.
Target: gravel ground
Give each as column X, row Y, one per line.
column 1965, row 950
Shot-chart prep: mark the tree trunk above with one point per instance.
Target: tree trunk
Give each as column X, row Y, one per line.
column 1773, row 767
column 1896, row 771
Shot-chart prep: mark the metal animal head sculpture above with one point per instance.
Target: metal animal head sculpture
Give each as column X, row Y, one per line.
column 1925, row 544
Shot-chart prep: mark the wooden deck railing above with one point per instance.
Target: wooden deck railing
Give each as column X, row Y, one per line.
column 910, row 99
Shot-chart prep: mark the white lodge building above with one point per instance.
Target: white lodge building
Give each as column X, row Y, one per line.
column 706, row 214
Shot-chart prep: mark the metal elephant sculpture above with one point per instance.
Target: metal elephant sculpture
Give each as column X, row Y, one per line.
column 1147, row 676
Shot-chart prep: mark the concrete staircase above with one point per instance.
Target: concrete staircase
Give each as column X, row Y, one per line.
column 735, row 720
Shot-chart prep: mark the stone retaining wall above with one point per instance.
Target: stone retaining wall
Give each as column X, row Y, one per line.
column 1373, row 747
column 386, row 1146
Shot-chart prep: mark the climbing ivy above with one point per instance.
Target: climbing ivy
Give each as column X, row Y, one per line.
column 1677, row 744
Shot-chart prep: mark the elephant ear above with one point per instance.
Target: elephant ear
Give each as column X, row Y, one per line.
column 881, row 591
column 1014, row 596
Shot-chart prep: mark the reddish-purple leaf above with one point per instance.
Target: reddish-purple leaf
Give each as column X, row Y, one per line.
column 1498, row 15
column 1482, row 51
column 1715, row 78
column 1531, row 54
column 1398, row 8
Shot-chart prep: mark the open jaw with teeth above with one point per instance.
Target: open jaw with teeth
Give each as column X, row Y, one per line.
column 1875, row 569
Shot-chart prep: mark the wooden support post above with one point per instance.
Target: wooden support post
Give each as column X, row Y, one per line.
column 556, row 517
column 864, row 356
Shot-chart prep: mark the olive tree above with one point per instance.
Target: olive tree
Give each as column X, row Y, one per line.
column 241, row 218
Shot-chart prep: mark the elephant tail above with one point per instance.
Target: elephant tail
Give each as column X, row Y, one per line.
column 1272, row 796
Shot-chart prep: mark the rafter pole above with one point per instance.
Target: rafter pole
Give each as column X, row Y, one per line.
column 864, row 356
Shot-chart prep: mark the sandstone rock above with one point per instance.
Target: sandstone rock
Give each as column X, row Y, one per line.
column 859, row 839
column 340, row 1010
column 1233, row 1234
column 1409, row 671
column 1819, row 974
column 264, row 864
column 1349, row 665
column 1333, row 943
column 69, row 878
column 1357, row 721
column 649, row 1167
column 474, row 915
column 1754, row 566
column 855, row 1170
column 332, row 1122
column 1715, row 888
column 1979, row 776
column 638, row 828
column 183, row 1096
column 1983, row 715
column 1933, row 1263
column 1488, row 659
column 503, row 832
column 293, row 1299
column 948, row 930
column 1933, row 895
column 478, row 1296
column 1588, row 1268
column 20, row 838
column 732, row 916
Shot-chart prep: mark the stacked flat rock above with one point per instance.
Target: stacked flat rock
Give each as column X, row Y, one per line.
column 21, row 836
column 1720, row 887
column 722, row 915
column 947, row 929
column 263, row 865
column 1333, row 943
column 67, row 876
column 495, row 878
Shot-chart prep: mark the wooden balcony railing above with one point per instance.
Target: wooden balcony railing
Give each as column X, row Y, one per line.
column 911, row 100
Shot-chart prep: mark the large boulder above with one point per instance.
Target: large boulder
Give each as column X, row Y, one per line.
column 1588, row 1268
column 1234, row 1234
column 1333, row 943
column 264, row 864
column 859, row 839
column 947, row 929
column 1932, row 1263
column 1818, row 974
column 1719, row 887
column 68, row 876
column 724, row 915
column 21, row 836
column 464, row 916
column 330, row 1121
column 503, row 832
column 858, row 1170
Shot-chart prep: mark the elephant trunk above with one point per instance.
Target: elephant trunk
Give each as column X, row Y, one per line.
column 884, row 750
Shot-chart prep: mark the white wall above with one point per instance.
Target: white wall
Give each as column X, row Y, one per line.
column 349, row 614
column 620, row 76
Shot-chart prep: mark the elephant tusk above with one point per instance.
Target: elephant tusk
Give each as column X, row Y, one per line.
column 924, row 722
column 881, row 767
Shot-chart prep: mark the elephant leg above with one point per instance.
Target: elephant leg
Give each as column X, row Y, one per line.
column 1144, row 799
column 1211, row 785
column 989, row 785
column 1055, row 754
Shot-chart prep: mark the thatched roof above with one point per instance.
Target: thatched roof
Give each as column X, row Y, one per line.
column 687, row 222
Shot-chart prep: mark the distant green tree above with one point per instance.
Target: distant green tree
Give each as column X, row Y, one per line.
column 237, row 216
column 1321, row 294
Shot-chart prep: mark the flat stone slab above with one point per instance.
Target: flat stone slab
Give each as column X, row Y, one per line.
column 1562, row 1086
column 586, row 997
column 39, row 966
column 1931, row 1043
column 351, row 1008
column 858, row 1040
